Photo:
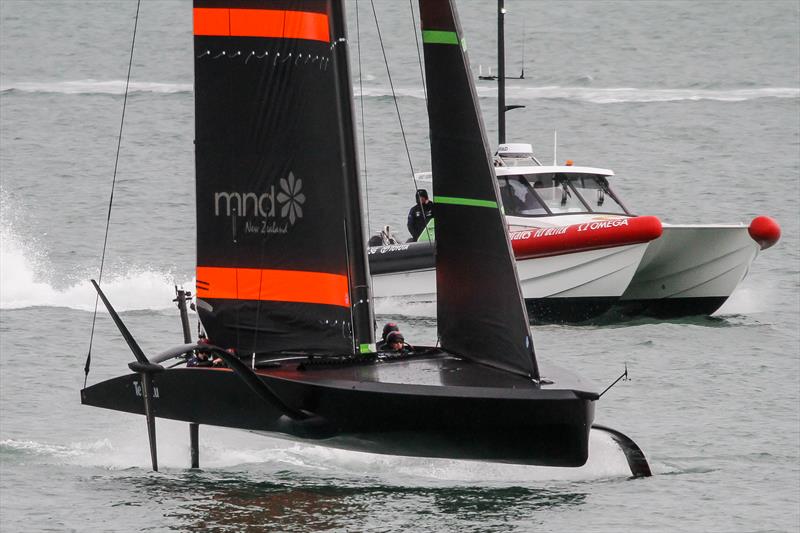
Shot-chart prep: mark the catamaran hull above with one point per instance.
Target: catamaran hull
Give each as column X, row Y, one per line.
column 690, row 270
column 525, row 425
column 578, row 286
column 569, row 287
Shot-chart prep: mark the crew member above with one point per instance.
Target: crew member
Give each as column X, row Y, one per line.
column 395, row 342
column 420, row 214
column 199, row 359
column 387, row 328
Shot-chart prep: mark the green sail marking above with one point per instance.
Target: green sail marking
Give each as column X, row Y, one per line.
column 439, row 37
column 429, row 233
column 464, row 201
column 366, row 348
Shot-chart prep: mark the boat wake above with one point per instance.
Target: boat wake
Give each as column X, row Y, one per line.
column 595, row 95
column 614, row 95
column 606, row 460
column 609, row 95
column 90, row 86
column 11, row 448
column 23, row 283
column 405, row 307
column 226, row 450
column 745, row 301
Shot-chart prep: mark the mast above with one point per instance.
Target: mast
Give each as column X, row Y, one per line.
column 363, row 318
column 501, row 73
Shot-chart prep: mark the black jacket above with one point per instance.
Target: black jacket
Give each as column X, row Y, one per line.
column 418, row 218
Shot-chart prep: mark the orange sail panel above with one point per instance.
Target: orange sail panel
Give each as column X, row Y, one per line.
column 261, row 23
column 274, row 285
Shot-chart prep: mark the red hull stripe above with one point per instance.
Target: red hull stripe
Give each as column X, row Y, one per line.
column 276, row 23
column 583, row 237
column 273, row 285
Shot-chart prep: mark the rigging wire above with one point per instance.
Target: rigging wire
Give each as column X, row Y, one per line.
column 419, row 55
column 363, row 134
column 363, row 123
column 111, row 198
column 424, row 92
column 399, row 118
column 364, row 151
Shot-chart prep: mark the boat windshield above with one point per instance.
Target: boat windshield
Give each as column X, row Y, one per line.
column 558, row 193
column 594, row 190
column 518, row 197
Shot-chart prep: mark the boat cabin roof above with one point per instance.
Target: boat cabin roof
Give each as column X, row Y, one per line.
column 549, row 169
column 426, row 177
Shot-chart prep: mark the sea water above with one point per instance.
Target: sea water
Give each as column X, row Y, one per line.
column 694, row 105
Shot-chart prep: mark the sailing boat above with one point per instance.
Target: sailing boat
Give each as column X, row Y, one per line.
column 282, row 274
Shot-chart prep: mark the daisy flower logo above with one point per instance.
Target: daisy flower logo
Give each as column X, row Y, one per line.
column 292, row 198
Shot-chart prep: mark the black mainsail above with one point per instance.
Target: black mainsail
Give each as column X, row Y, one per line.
column 480, row 320
column 276, row 170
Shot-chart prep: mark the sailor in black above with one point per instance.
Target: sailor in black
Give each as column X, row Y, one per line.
column 388, row 328
column 420, row 214
column 199, row 359
column 395, row 342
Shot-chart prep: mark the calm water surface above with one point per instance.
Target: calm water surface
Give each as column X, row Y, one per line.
column 695, row 105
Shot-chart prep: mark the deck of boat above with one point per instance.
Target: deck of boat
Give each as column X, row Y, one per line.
column 436, row 373
column 431, row 405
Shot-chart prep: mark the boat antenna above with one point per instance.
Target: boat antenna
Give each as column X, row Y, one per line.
column 522, row 71
column 555, row 143
column 501, row 73
column 111, row 197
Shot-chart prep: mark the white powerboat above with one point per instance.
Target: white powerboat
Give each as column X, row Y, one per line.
column 574, row 262
column 580, row 251
column 688, row 270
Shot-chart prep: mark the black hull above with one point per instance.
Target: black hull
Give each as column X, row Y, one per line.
column 566, row 310
column 671, row 307
column 382, row 408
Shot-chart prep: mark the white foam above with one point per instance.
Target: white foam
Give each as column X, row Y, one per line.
column 402, row 306
column 91, row 86
column 23, row 272
column 597, row 95
column 613, row 95
column 745, row 301
column 78, row 449
column 224, row 449
column 609, row 95
column 606, row 460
